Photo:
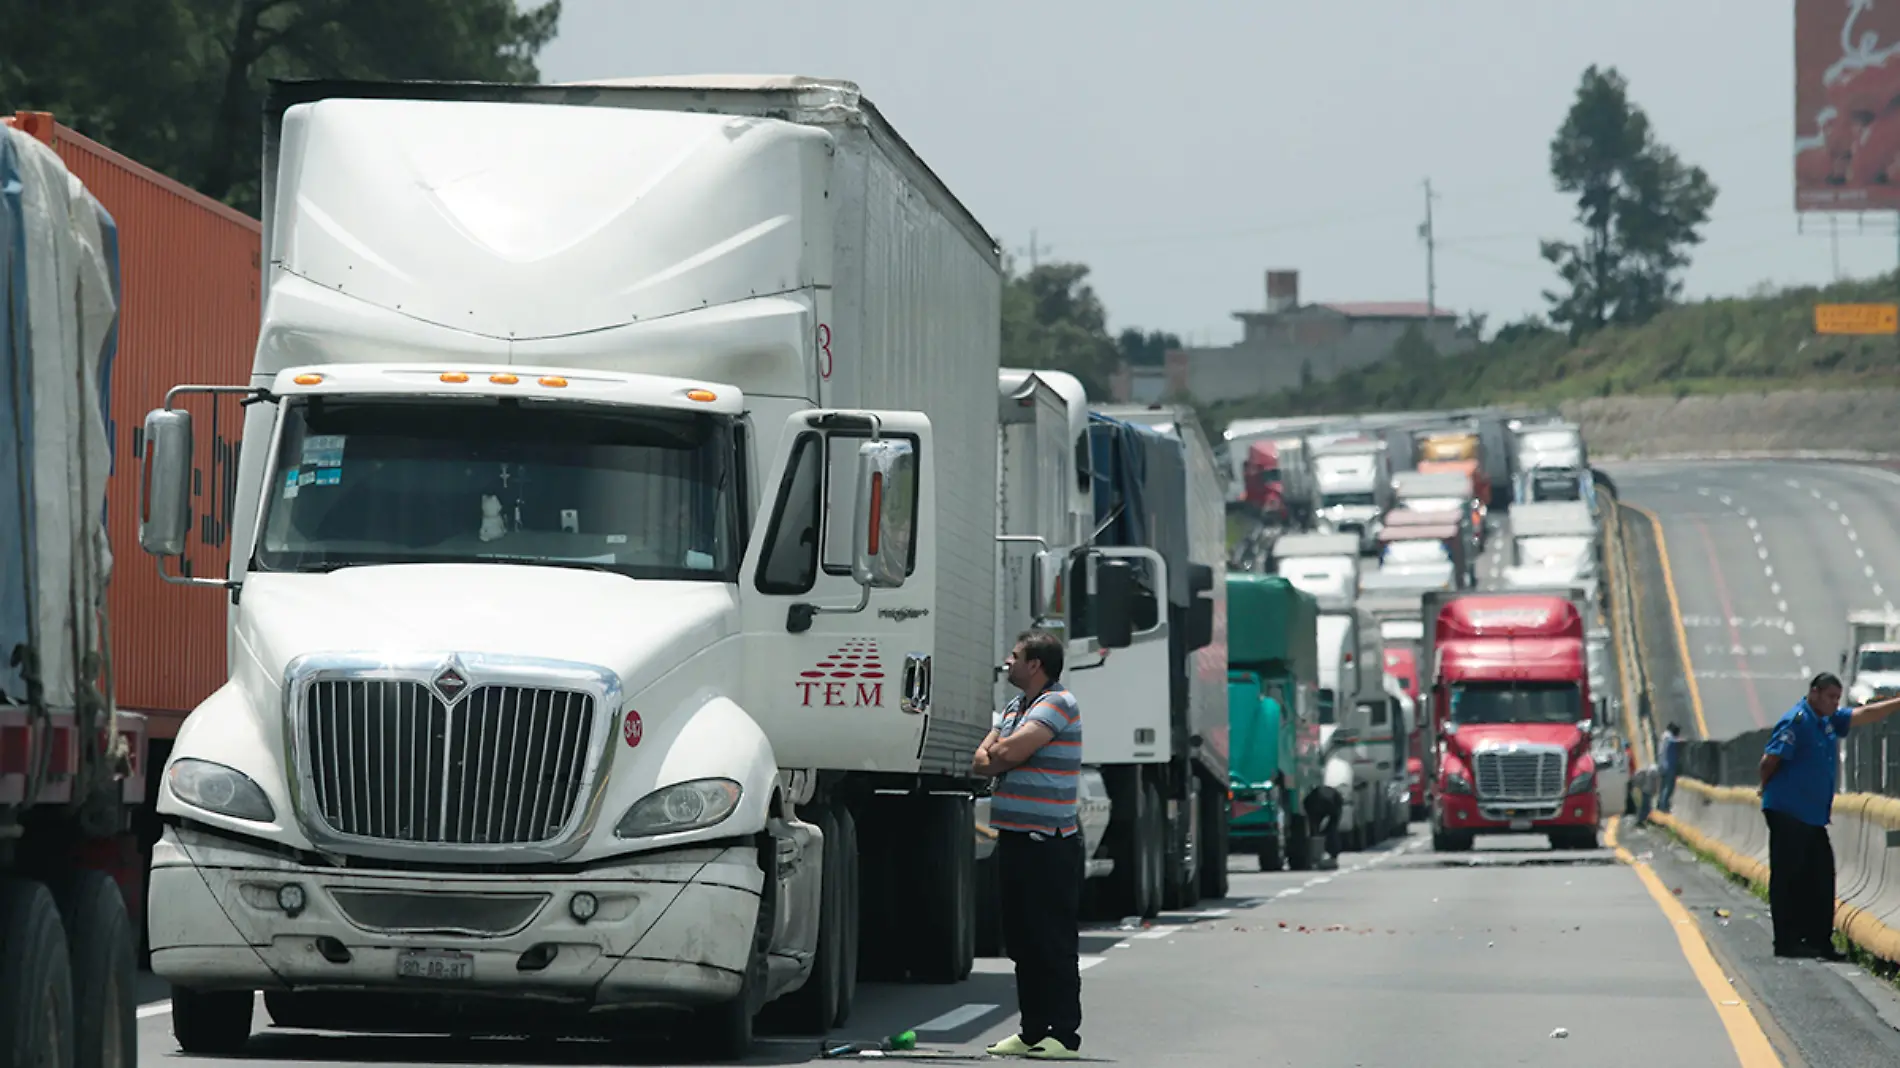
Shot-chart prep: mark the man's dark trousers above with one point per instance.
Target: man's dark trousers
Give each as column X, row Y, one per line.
column 1041, row 897
column 1800, row 884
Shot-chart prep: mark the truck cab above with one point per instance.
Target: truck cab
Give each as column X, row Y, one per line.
column 1511, row 704
column 1870, row 665
column 1273, row 717
column 1355, row 486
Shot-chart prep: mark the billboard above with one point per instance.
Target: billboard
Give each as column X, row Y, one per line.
column 1847, row 105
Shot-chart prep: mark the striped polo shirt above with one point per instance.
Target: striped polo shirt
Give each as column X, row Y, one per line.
column 1040, row 795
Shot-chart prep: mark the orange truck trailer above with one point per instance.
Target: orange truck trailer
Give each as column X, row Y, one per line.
column 189, row 277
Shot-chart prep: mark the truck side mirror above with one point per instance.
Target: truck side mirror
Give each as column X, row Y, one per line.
column 1114, row 604
column 165, row 482
column 1045, row 585
column 1843, row 667
column 887, row 495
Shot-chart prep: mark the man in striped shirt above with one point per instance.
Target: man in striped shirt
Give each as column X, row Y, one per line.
column 1035, row 754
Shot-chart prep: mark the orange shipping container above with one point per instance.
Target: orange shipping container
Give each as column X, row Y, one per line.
column 188, row 312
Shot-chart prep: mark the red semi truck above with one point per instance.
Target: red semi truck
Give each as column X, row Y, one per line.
column 1510, row 700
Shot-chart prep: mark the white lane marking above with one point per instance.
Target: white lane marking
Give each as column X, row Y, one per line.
column 1290, row 891
column 1858, row 551
column 1781, row 606
column 1163, row 932
column 157, row 1008
column 961, row 1015
column 1868, row 570
column 1792, row 484
column 1725, row 499
column 1703, row 490
column 1762, row 552
column 1851, row 536
column 1083, row 964
column 1799, row 652
column 1212, row 912
column 1833, row 506
column 1878, row 592
column 1775, row 588
column 1769, row 571
column 1816, row 493
column 1846, row 522
column 1753, row 523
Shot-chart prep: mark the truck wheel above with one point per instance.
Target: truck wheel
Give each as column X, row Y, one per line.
column 853, row 920
column 723, row 1032
column 1183, row 884
column 217, row 1022
column 942, row 884
column 100, row 944
column 1156, row 840
column 1127, row 889
column 36, row 987
column 1215, row 843
column 1299, row 851
column 811, row 1008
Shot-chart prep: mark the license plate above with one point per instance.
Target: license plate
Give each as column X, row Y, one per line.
column 435, row 965
column 1520, row 825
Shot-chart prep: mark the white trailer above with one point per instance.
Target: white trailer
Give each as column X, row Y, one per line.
column 616, row 485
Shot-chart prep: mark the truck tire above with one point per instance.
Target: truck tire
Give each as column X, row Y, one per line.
column 723, row 1032
column 1299, row 839
column 100, row 945
column 853, row 919
column 215, row 1022
column 1126, row 890
column 1156, row 849
column 36, row 987
column 942, row 883
column 1182, row 887
column 812, row 1008
column 1214, row 843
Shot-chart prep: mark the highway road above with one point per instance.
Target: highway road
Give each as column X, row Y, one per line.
column 1767, row 559
column 1400, row 957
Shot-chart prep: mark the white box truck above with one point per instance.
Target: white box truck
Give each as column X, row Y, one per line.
column 616, row 485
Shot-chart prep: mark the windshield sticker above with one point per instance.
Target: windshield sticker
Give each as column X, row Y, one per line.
column 290, row 484
column 323, row 450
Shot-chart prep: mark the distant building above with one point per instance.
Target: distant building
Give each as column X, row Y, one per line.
column 1287, row 341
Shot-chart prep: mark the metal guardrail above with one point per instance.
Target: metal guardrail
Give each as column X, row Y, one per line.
column 1870, row 760
column 1621, row 596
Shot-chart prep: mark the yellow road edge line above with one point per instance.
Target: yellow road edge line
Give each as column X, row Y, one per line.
column 1675, row 616
column 1752, row 1048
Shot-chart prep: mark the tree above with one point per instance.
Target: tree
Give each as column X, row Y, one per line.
column 1149, row 348
column 1053, row 320
column 179, row 84
column 1640, row 206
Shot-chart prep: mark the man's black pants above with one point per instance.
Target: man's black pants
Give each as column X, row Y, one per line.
column 1042, row 899
column 1800, row 884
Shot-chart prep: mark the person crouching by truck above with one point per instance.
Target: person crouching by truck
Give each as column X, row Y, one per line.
column 1035, row 754
column 1800, row 768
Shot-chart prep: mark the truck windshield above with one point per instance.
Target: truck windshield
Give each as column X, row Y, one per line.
column 1879, row 660
column 1351, row 500
column 645, row 493
column 1557, row 487
column 1516, row 702
column 1325, row 706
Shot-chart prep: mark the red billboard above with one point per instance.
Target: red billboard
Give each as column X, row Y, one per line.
column 1847, row 105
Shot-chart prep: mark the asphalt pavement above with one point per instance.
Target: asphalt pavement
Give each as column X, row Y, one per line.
column 1399, row 957
column 1767, row 559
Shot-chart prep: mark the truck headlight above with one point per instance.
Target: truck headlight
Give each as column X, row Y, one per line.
column 1582, row 784
column 683, row 806
column 216, row 788
column 1456, row 783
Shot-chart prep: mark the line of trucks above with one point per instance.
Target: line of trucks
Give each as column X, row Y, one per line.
column 1373, row 653
column 618, row 468
column 594, row 556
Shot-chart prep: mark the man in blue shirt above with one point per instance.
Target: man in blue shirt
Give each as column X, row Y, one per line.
column 1799, row 769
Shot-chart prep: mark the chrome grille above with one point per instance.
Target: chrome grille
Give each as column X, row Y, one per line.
column 1506, row 775
column 390, row 760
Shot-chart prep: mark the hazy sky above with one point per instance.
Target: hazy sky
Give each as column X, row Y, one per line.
column 1180, row 152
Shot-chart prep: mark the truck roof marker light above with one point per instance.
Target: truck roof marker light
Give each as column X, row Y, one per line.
column 308, row 380
column 553, row 381
column 504, row 379
column 454, row 376
column 703, row 396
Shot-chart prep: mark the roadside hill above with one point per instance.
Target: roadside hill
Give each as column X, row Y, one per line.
column 1756, row 344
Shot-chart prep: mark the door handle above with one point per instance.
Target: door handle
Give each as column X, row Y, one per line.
column 916, row 699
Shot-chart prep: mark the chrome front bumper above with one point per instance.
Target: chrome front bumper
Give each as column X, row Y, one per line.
column 672, row 928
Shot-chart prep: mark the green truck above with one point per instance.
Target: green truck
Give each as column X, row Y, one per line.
column 1272, row 717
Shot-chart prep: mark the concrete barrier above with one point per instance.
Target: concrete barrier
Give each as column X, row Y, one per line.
column 1726, row 823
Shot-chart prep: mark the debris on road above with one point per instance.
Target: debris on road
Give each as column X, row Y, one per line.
column 1561, row 1032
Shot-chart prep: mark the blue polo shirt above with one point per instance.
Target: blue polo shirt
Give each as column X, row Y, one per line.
column 1810, row 751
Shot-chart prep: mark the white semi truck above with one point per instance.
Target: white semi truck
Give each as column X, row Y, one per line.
column 1355, row 486
column 615, row 490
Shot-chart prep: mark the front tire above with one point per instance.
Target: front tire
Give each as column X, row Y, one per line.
column 812, row 1007
column 1214, row 836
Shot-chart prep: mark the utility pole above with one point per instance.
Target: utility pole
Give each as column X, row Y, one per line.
column 1036, row 250
column 1431, row 249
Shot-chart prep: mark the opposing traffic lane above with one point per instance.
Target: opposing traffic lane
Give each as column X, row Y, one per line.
column 1401, row 956
column 1766, row 559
